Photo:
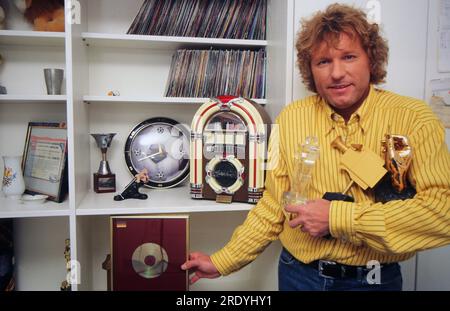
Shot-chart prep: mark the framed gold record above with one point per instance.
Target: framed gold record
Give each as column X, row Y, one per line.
column 148, row 251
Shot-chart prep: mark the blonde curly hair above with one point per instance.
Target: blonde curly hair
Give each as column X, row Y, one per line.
column 328, row 25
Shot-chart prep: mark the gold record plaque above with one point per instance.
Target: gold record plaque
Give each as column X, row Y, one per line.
column 150, row 260
column 147, row 253
column 228, row 150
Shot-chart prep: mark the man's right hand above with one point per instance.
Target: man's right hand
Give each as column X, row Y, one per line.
column 201, row 266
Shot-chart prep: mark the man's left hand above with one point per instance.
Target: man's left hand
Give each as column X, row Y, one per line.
column 313, row 217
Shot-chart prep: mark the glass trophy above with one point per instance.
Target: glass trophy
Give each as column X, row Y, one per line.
column 305, row 159
column 104, row 179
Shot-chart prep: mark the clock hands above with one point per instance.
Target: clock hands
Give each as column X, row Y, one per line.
column 149, row 156
column 157, row 156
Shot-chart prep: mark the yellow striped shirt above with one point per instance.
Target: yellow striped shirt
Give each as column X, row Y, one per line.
column 363, row 230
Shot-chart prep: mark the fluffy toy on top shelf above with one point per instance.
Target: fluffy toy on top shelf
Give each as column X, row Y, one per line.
column 45, row 15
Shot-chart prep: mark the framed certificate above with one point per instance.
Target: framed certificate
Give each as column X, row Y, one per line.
column 148, row 251
column 45, row 160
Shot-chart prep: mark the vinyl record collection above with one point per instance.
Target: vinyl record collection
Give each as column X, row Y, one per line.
column 229, row 19
column 207, row 73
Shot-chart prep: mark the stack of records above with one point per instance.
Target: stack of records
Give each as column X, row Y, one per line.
column 208, row 73
column 231, row 19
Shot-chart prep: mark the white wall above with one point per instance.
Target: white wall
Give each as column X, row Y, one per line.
column 404, row 24
column 432, row 266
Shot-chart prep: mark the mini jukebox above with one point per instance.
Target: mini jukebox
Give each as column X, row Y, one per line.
column 228, row 150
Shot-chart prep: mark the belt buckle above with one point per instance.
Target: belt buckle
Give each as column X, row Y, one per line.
column 323, row 263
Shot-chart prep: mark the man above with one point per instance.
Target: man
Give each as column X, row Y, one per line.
column 341, row 57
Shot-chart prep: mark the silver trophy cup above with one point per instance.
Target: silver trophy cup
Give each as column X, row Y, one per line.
column 104, row 179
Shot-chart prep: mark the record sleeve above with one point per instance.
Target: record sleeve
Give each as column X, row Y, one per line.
column 148, row 251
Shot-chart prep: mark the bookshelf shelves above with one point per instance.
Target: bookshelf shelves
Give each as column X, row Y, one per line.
column 98, row 56
column 152, row 100
column 33, row 98
column 33, row 38
column 17, row 209
column 160, row 201
column 164, row 42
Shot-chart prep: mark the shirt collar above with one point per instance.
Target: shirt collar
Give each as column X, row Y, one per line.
column 362, row 115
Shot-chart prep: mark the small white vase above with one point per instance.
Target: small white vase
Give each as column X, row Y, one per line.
column 13, row 182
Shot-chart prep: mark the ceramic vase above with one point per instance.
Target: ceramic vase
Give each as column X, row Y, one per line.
column 13, row 182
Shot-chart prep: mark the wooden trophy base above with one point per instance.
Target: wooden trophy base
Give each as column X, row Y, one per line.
column 104, row 183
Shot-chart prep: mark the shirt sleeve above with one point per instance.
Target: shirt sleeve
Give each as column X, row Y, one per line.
column 264, row 222
column 420, row 223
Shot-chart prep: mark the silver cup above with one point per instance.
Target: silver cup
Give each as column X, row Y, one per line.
column 103, row 142
column 53, row 80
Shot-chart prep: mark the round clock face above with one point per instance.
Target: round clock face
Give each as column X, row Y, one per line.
column 160, row 145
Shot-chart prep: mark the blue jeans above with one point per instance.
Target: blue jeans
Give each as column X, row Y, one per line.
column 294, row 275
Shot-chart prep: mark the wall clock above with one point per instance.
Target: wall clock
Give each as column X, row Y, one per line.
column 161, row 145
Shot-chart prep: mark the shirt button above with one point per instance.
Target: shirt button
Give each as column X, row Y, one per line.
column 344, row 239
column 335, row 116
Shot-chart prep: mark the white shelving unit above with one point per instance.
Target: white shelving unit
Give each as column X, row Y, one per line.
column 33, row 98
column 98, row 57
column 164, row 42
column 17, row 209
column 164, row 201
column 30, row 38
column 154, row 100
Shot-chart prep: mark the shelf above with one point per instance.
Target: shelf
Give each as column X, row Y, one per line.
column 36, row 38
column 160, row 201
column 33, row 98
column 164, row 42
column 16, row 209
column 152, row 100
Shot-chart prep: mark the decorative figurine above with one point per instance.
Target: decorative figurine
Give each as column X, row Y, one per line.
column 65, row 286
column 104, row 179
column 305, row 159
column 113, row 93
column 132, row 189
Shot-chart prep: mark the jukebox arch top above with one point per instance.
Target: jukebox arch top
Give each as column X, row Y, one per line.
column 228, row 150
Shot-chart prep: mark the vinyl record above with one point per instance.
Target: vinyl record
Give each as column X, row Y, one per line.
column 150, row 260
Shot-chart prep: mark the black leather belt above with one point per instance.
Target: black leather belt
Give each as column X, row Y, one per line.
column 336, row 270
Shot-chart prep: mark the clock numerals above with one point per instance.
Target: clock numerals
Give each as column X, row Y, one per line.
column 160, row 175
column 137, row 152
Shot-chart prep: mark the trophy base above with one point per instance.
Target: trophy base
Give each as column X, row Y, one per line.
column 104, row 183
